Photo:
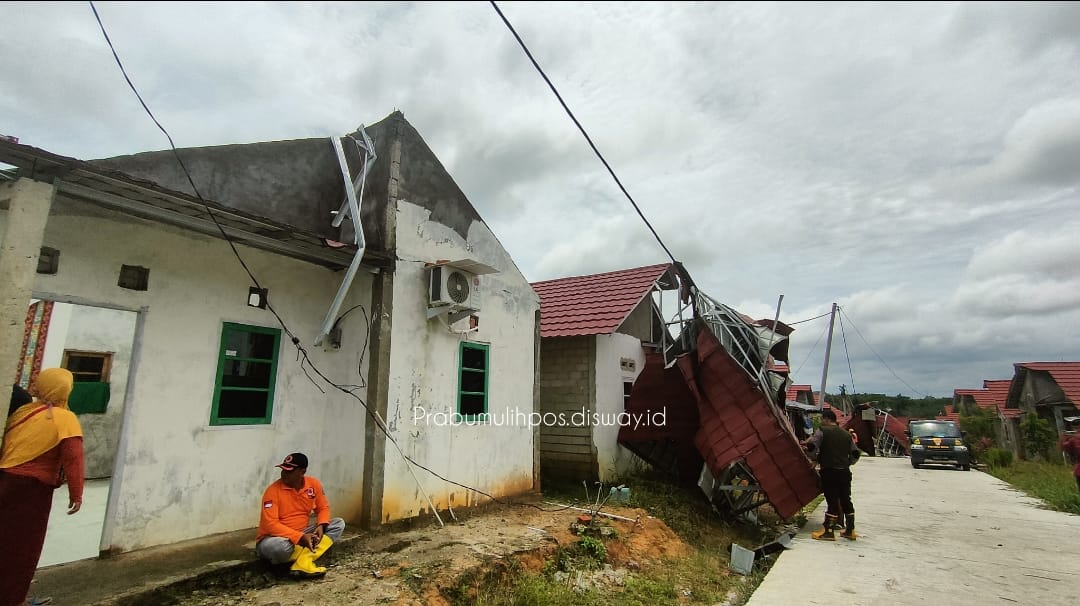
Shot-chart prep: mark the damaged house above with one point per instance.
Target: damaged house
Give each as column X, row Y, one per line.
column 382, row 300
column 709, row 370
column 1049, row 389
column 594, row 332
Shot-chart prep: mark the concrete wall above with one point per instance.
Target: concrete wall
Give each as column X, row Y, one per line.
column 98, row 329
column 1040, row 393
column 568, row 388
column 423, row 382
column 177, row 477
column 613, row 460
column 639, row 322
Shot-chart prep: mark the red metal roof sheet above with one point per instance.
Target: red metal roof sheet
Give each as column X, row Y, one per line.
column 894, row 426
column 668, row 447
column 595, row 304
column 1065, row 374
column 738, row 422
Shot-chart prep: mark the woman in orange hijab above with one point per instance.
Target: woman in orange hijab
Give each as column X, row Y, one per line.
column 42, row 447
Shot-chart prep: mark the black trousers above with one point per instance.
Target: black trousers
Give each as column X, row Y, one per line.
column 836, row 484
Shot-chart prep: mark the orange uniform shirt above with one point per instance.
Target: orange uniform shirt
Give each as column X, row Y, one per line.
column 286, row 511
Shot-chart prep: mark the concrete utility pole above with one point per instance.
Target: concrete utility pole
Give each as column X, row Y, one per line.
column 828, row 351
column 27, row 203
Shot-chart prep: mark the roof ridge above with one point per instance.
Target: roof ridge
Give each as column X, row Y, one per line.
column 606, row 273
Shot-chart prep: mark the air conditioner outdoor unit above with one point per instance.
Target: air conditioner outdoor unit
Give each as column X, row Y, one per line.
column 455, row 288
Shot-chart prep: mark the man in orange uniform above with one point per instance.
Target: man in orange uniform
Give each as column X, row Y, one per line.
column 285, row 531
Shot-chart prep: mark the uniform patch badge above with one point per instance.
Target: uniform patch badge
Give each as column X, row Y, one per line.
column 310, row 492
column 268, row 504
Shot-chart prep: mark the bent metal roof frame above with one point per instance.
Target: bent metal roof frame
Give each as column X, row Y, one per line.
column 78, row 180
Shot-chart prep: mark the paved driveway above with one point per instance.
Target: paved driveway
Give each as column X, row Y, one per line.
column 932, row 536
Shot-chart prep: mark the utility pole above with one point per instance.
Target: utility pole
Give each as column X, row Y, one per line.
column 828, row 351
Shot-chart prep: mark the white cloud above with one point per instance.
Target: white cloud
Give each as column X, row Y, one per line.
column 914, row 162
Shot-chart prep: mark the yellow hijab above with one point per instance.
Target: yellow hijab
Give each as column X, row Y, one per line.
column 37, row 427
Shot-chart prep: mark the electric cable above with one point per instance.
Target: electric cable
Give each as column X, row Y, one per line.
column 886, row 364
column 301, row 351
column 582, row 129
column 808, row 319
column 824, row 329
column 846, row 354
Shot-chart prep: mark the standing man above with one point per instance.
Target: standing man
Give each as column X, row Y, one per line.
column 835, row 452
column 1070, row 445
column 286, row 533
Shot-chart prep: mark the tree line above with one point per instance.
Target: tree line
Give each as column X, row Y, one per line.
column 898, row 405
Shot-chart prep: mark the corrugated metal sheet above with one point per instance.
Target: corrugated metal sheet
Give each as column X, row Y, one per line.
column 738, row 422
column 668, row 447
column 894, row 426
column 595, row 304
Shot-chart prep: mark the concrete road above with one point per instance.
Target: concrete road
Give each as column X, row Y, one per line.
column 932, row 536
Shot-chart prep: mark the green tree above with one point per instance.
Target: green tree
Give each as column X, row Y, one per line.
column 1036, row 435
column 981, row 428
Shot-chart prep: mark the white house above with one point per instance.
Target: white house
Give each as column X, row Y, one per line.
column 595, row 332
column 434, row 319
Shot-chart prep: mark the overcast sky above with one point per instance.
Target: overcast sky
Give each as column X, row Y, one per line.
column 917, row 164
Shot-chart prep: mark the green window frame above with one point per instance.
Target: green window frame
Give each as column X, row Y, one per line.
column 473, row 369
column 246, row 375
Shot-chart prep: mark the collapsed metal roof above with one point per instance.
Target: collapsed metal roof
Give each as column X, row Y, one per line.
column 712, row 379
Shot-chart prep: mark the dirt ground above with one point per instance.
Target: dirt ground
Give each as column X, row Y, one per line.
column 416, row 566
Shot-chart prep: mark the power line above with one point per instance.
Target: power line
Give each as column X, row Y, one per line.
column 858, row 332
column 847, row 355
column 582, row 129
column 301, row 351
column 824, row 329
column 808, row 319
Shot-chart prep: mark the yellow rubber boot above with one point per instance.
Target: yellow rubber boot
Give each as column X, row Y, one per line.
column 321, row 548
column 304, row 563
column 826, row 532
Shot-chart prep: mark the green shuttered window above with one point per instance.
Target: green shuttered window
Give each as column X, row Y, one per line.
column 246, row 372
column 473, row 380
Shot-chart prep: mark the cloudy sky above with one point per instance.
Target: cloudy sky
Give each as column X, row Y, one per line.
column 917, row 164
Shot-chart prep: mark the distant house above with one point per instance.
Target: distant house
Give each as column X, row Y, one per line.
column 432, row 328
column 595, row 331
column 1050, row 389
column 803, row 394
column 992, row 398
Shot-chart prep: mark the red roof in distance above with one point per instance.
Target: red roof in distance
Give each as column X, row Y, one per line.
column 595, row 304
column 1065, row 374
column 998, row 390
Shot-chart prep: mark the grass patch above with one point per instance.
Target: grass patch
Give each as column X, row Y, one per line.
column 1053, row 483
column 416, row 577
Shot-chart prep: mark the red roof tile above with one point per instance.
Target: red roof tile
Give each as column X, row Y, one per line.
column 991, row 397
column 794, row 390
column 998, row 390
column 778, row 367
column 593, row 305
column 1065, row 374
